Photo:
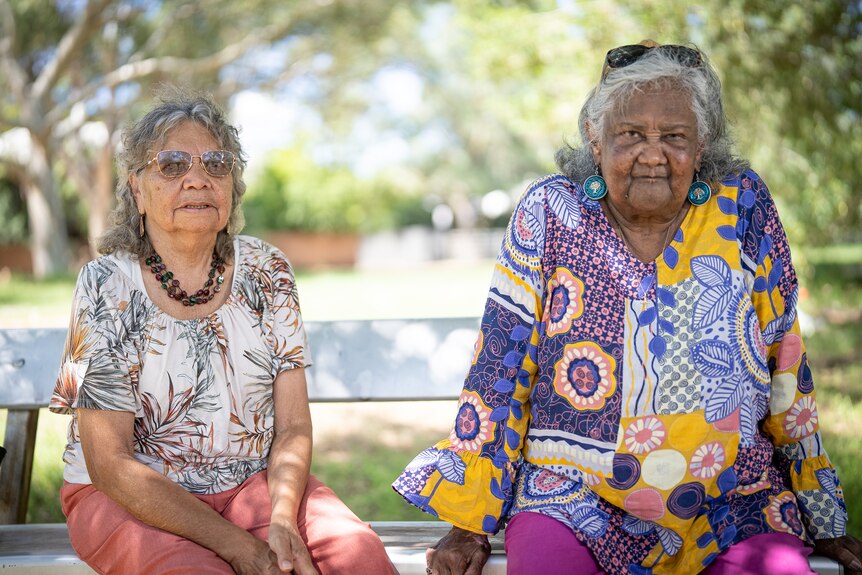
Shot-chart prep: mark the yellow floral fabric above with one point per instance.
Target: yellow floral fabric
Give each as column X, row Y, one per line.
column 662, row 410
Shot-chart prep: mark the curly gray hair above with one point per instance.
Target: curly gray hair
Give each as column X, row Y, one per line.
column 657, row 68
column 149, row 133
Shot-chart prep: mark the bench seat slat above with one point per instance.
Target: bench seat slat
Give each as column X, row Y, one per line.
column 45, row 548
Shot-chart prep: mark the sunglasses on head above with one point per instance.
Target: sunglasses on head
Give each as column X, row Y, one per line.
column 626, row 55
column 175, row 163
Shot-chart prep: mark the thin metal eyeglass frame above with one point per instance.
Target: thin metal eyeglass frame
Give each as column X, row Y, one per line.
column 192, row 162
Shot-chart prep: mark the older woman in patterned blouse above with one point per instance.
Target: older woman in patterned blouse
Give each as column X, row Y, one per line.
column 640, row 400
column 190, row 440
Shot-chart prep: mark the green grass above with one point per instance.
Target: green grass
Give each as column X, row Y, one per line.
column 360, row 467
column 25, row 302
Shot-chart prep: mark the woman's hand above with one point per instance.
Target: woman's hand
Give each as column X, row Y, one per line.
column 459, row 552
column 292, row 554
column 846, row 549
column 253, row 557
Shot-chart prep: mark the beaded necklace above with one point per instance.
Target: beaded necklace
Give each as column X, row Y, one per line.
column 172, row 286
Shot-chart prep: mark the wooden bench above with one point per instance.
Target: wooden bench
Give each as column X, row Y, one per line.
column 373, row 360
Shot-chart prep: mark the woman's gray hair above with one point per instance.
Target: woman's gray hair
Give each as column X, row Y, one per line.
column 140, row 142
column 657, row 68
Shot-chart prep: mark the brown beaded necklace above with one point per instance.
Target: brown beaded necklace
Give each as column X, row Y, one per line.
column 172, row 286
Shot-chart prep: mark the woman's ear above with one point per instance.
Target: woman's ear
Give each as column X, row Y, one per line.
column 136, row 190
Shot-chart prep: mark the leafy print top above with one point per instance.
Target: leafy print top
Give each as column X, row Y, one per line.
column 201, row 390
column 661, row 410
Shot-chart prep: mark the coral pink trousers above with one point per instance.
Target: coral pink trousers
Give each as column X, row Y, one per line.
column 112, row 541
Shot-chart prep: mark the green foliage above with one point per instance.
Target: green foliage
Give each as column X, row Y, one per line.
column 837, row 271
column 792, row 76
column 13, row 215
column 295, row 193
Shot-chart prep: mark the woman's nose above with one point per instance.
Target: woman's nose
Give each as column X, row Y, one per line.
column 652, row 153
column 196, row 176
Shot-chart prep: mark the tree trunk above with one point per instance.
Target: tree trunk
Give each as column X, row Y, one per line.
column 101, row 197
column 49, row 238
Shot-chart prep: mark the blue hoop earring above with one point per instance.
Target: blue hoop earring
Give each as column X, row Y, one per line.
column 699, row 192
column 595, row 186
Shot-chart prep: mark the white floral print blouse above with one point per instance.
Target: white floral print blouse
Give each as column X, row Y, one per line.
column 201, row 390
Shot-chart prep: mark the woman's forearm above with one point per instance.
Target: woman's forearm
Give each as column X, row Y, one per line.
column 156, row 500
column 290, row 452
column 107, row 443
column 289, row 463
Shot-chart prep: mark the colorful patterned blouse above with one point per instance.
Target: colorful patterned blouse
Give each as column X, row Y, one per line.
column 201, row 389
column 662, row 410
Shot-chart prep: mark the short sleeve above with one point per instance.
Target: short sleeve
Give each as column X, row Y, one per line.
column 285, row 328
column 100, row 361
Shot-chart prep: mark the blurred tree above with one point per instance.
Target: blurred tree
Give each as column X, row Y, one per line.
column 493, row 107
column 793, row 81
column 296, row 193
column 63, row 65
column 500, row 83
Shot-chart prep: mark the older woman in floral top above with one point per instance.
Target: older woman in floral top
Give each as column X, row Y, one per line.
column 640, row 400
column 190, row 440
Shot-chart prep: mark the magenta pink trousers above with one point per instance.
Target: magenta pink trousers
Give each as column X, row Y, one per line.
column 112, row 541
column 536, row 543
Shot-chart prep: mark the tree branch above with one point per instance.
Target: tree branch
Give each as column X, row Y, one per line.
column 136, row 70
column 8, row 65
column 69, row 47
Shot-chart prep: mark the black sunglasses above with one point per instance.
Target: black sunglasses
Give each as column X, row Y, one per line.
column 175, row 163
column 626, row 55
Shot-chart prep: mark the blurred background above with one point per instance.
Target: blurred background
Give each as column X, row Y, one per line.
column 387, row 142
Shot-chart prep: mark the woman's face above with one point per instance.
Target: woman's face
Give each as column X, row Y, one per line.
column 648, row 153
column 195, row 202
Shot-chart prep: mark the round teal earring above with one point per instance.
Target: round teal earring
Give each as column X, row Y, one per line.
column 699, row 192
column 595, row 186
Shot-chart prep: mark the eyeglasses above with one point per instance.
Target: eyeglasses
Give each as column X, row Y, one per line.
column 175, row 163
column 626, row 55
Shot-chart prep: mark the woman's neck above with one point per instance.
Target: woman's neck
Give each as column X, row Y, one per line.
column 185, row 253
column 197, row 272
column 646, row 239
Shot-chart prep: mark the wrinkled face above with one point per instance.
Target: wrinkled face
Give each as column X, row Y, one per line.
column 195, row 202
column 649, row 152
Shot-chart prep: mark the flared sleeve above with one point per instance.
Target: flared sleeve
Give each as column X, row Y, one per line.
column 792, row 419
column 466, row 479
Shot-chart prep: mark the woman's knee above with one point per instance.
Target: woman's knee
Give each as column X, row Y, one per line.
column 773, row 553
column 339, row 542
column 537, row 543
